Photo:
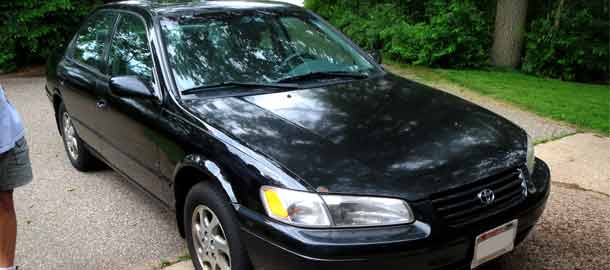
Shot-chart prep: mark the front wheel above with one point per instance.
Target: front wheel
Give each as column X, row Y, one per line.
column 212, row 230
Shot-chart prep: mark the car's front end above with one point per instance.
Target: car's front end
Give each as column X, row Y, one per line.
column 435, row 239
column 360, row 203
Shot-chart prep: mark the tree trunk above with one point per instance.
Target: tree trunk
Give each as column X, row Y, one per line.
column 508, row 36
column 558, row 14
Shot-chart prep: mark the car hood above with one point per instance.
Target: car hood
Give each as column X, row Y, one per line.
column 383, row 136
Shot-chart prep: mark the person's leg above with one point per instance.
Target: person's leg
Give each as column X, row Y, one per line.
column 15, row 171
column 8, row 229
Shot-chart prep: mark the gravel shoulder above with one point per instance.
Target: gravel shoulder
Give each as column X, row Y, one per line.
column 572, row 234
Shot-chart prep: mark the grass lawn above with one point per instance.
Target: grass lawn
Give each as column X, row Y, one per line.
column 584, row 105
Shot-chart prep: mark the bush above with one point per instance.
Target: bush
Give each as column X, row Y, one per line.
column 456, row 35
column 571, row 46
column 362, row 22
column 436, row 33
column 33, row 29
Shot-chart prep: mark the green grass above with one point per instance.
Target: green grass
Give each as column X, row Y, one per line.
column 586, row 106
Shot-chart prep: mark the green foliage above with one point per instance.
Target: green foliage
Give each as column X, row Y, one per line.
column 459, row 33
column 32, row 30
column 433, row 33
column 366, row 29
column 571, row 46
column 456, row 35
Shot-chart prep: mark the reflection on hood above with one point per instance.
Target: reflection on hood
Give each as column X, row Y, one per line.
column 383, row 136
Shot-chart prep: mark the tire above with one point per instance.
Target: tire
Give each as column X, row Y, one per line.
column 218, row 243
column 77, row 152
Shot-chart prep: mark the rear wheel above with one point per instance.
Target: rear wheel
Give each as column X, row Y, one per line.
column 212, row 230
column 79, row 156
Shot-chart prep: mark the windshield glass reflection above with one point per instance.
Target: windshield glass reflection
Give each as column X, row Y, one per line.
column 254, row 46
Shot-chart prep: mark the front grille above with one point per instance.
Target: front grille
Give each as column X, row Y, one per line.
column 461, row 206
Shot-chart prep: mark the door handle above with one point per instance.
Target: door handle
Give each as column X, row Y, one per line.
column 101, row 104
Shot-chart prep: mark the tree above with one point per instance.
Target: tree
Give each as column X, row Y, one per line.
column 509, row 31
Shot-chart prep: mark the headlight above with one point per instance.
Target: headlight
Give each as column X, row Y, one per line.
column 313, row 210
column 531, row 157
column 367, row 211
column 295, row 207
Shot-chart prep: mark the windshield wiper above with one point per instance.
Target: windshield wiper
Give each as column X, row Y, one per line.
column 324, row 74
column 246, row 85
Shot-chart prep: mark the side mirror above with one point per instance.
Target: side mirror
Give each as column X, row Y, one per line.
column 377, row 56
column 130, row 86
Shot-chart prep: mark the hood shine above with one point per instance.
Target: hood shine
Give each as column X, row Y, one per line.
column 385, row 136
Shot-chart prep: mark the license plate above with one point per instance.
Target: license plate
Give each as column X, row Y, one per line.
column 494, row 243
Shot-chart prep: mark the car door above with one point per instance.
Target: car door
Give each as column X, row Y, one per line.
column 130, row 124
column 81, row 71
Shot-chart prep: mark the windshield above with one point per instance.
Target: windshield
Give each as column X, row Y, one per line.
column 255, row 47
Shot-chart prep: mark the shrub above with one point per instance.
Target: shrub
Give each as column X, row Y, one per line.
column 33, row 29
column 457, row 35
column 367, row 29
column 363, row 22
column 571, row 46
column 437, row 33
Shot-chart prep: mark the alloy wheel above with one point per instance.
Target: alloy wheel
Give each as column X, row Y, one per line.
column 209, row 240
column 70, row 136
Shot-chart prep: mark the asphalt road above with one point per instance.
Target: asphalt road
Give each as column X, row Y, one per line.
column 71, row 220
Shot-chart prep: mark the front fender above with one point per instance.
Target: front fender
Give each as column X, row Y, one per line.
column 198, row 165
column 208, row 168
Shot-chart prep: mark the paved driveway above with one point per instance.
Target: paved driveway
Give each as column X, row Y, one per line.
column 71, row 220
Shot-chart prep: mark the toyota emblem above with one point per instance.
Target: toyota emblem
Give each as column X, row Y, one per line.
column 487, row 196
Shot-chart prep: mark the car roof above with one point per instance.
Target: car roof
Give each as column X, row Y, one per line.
column 164, row 7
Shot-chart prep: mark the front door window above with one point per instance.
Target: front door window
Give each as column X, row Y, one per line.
column 129, row 51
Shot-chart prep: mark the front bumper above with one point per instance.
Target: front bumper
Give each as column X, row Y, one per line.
column 275, row 246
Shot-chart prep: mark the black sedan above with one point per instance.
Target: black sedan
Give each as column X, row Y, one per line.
column 282, row 145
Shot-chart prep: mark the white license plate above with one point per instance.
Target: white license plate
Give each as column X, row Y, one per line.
column 494, row 243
